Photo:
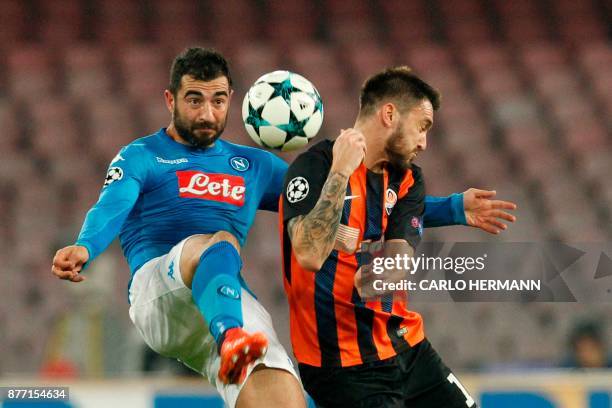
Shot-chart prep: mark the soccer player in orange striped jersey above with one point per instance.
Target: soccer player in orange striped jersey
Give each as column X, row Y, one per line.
column 362, row 187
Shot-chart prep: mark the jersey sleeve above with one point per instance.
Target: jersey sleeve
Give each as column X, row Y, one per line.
column 406, row 219
column 124, row 181
column 443, row 211
column 274, row 187
column 303, row 183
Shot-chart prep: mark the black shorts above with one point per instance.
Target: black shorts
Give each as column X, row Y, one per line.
column 416, row 378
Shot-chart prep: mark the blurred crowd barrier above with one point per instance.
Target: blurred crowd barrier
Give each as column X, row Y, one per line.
column 552, row 389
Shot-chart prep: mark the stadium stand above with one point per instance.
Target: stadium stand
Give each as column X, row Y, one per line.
column 527, row 110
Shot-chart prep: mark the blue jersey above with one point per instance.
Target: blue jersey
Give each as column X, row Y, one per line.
column 158, row 192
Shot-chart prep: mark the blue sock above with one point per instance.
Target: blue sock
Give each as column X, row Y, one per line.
column 216, row 288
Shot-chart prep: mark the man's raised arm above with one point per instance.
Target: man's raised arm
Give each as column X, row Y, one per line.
column 313, row 235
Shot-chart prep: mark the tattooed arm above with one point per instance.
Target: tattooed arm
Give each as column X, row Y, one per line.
column 313, row 235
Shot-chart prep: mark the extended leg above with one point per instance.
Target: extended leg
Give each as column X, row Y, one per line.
column 210, row 266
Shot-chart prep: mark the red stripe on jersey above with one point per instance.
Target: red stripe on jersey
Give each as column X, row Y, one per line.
column 385, row 216
column 345, row 275
column 405, row 185
column 302, row 317
column 413, row 322
column 381, row 339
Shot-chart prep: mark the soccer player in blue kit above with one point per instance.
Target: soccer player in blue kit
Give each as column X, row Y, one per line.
column 182, row 201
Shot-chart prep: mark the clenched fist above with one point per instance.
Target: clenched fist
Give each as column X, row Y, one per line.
column 349, row 151
column 69, row 261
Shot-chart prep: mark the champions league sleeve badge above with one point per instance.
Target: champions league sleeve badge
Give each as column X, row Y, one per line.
column 113, row 174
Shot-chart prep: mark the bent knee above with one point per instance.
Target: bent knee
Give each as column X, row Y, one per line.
column 221, row 236
column 196, row 245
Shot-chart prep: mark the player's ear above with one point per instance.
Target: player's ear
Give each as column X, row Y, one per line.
column 169, row 98
column 388, row 114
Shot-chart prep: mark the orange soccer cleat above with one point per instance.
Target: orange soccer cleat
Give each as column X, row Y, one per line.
column 238, row 350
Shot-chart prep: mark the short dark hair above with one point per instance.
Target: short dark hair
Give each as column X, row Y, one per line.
column 203, row 64
column 398, row 83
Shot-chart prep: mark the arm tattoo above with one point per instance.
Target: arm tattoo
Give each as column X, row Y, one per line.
column 316, row 231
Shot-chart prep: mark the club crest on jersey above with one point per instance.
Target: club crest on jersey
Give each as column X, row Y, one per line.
column 114, row 174
column 239, row 163
column 390, row 200
column 218, row 187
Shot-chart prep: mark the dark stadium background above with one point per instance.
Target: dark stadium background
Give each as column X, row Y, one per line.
column 527, row 110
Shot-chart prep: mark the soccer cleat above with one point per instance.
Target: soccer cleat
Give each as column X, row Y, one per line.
column 238, row 350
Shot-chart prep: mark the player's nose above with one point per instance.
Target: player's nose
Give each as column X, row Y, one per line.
column 206, row 113
column 422, row 145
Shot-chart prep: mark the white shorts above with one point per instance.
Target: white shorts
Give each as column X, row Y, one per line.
column 164, row 313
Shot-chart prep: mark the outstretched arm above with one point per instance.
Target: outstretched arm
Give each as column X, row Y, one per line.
column 101, row 226
column 103, row 222
column 482, row 211
column 474, row 207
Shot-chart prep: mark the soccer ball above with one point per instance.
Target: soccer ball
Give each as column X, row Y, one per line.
column 282, row 110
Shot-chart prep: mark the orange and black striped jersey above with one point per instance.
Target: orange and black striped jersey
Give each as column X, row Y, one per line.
column 330, row 324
